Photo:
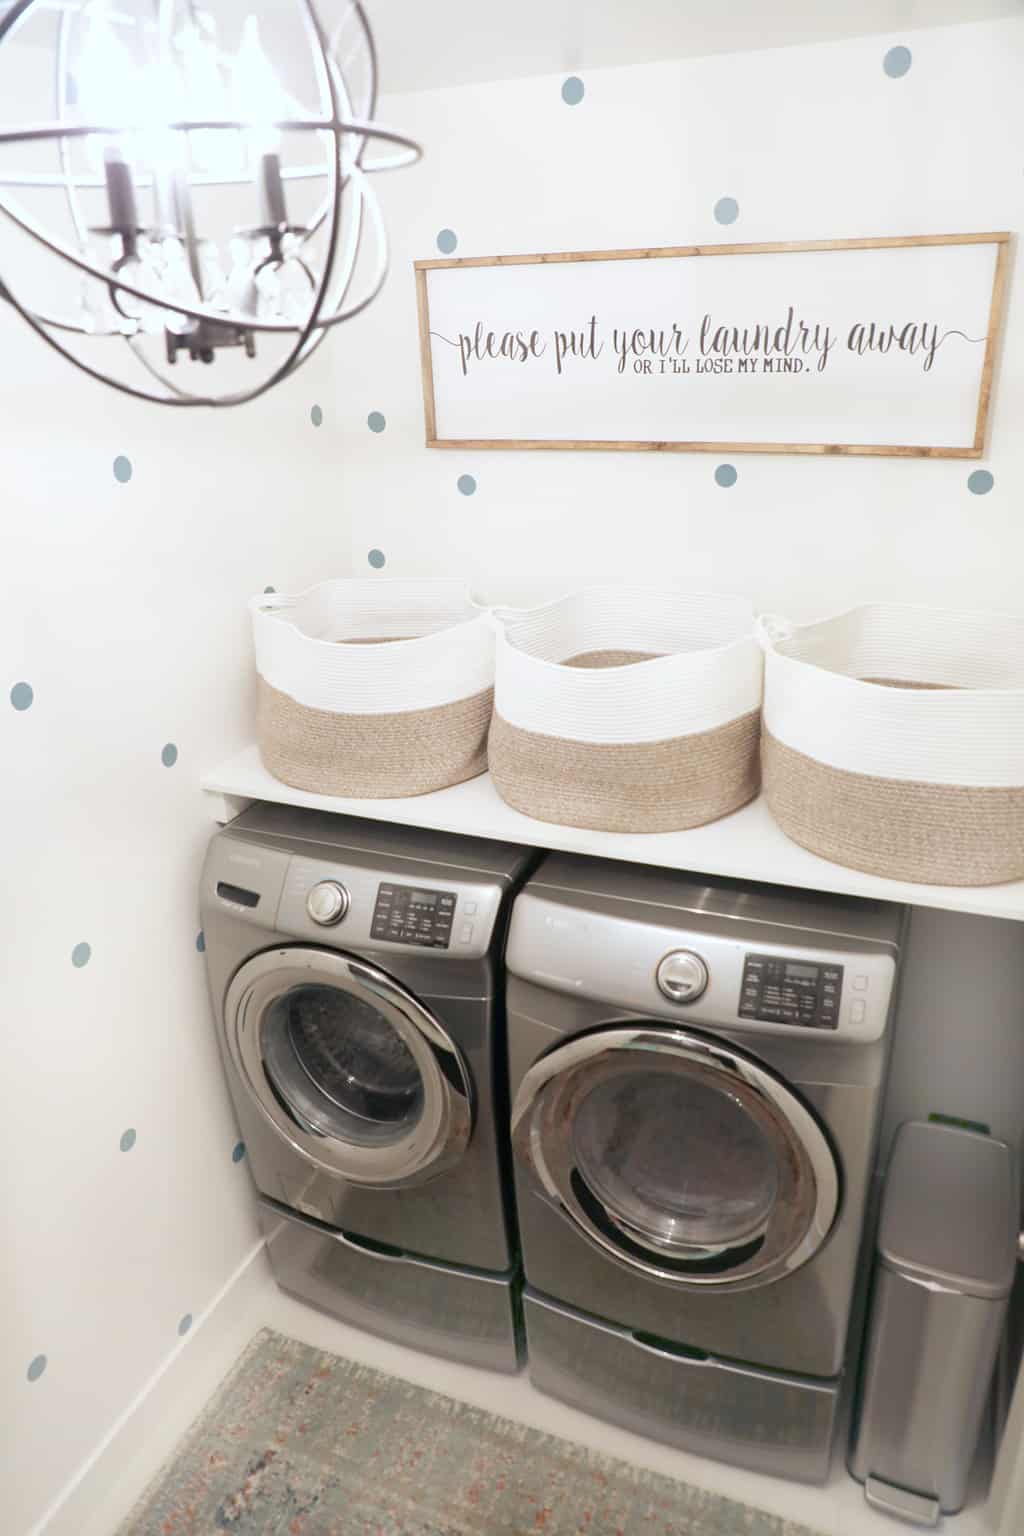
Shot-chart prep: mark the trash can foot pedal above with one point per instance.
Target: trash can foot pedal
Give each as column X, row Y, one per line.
column 918, row 1508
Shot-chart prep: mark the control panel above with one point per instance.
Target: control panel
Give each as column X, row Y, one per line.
column 778, row 990
column 407, row 914
column 747, row 976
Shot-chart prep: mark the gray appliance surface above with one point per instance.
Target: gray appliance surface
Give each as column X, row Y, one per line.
column 417, row 1302
column 585, row 945
column 973, row 1181
column 255, row 881
column 947, row 1249
column 764, row 1420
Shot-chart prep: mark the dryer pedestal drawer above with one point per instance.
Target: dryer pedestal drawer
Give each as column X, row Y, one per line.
column 759, row 1419
column 465, row 1316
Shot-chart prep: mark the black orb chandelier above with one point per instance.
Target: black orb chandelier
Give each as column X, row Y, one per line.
column 199, row 190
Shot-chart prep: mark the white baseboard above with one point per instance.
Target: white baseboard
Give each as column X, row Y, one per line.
column 132, row 1451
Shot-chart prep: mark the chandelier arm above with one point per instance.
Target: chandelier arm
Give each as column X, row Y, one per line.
column 60, row 93
column 383, row 266
column 198, row 178
column 355, row 8
column 227, row 318
column 39, row 132
column 9, row 21
column 371, row 49
column 328, row 89
column 94, row 373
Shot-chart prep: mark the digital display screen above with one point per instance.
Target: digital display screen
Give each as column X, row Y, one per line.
column 802, row 972
column 424, row 898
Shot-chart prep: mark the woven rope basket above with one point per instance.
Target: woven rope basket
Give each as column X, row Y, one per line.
column 894, row 741
column 376, row 689
column 627, row 710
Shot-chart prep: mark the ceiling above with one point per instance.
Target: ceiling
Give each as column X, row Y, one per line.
column 425, row 45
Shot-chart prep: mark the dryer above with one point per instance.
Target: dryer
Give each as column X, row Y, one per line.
column 697, row 1071
column 355, row 973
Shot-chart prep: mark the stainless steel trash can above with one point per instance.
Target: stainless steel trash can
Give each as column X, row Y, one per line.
column 947, row 1248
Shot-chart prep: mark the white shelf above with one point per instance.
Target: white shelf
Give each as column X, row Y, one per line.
column 747, row 845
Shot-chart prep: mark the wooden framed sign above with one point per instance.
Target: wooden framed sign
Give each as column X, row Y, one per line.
column 831, row 346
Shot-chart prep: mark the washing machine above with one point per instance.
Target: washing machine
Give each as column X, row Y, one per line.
column 697, row 1071
column 355, row 974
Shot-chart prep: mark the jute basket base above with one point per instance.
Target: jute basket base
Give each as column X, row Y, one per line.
column 654, row 786
column 372, row 757
column 936, row 834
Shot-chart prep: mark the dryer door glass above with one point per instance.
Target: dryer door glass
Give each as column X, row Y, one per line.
column 337, row 1062
column 349, row 1067
column 686, row 1164
column 682, row 1156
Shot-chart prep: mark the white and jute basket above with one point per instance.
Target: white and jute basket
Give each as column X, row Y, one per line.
column 373, row 688
column 894, row 741
column 627, row 710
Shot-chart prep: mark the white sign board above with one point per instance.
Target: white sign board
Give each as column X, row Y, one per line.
column 856, row 346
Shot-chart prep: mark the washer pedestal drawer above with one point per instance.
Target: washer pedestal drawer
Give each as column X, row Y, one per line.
column 463, row 1315
column 736, row 1413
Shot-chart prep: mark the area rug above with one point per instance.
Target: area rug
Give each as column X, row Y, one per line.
column 297, row 1442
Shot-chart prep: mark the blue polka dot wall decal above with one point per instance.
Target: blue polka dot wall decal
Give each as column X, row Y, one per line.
column 376, row 421
column 572, row 91
column 725, row 475
column 169, row 755
column 897, row 61
column 36, row 1368
column 127, row 1139
column 447, row 240
column 81, row 955
column 122, row 469
column 238, row 1151
column 727, row 210
column 316, row 416
column 466, row 484
column 376, row 558
column 22, row 696
column 185, row 1324
column 980, row 482
column 201, row 942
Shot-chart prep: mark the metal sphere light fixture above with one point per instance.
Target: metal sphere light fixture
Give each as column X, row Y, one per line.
column 200, row 191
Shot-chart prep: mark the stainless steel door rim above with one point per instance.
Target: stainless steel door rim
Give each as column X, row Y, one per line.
column 783, row 1227
column 415, row 1152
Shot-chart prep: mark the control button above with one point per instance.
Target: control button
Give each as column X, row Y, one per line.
column 860, row 983
column 858, row 1010
column 682, row 976
column 470, row 908
column 327, row 903
column 466, row 933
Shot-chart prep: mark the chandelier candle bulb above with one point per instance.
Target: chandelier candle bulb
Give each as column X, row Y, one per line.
column 275, row 213
column 124, row 215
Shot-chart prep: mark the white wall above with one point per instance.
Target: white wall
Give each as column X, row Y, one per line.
column 812, row 142
column 124, row 610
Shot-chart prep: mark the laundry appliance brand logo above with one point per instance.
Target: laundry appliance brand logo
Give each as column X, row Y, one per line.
column 657, row 349
column 715, row 346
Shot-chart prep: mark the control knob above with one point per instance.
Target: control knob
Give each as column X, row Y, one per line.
column 327, row 903
column 682, row 976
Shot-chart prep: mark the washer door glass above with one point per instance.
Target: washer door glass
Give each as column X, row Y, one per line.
column 339, row 1065
column 683, row 1157
column 350, row 1068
